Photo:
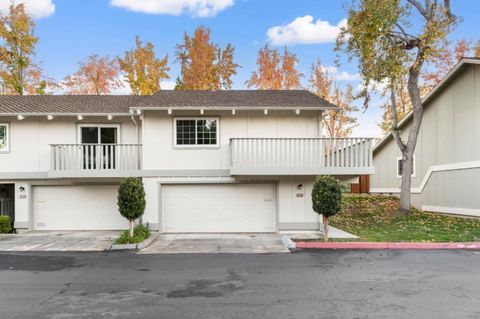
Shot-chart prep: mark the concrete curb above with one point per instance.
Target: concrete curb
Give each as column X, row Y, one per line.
column 288, row 243
column 147, row 242
column 389, row 246
column 141, row 245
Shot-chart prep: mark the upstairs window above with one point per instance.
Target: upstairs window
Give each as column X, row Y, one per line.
column 399, row 166
column 4, row 138
column 196, row 132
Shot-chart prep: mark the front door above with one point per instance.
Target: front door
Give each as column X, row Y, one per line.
column 98, row 146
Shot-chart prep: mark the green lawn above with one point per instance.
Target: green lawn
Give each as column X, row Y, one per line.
column 371, row 217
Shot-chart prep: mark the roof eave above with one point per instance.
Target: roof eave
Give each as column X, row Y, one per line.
column 229, row 108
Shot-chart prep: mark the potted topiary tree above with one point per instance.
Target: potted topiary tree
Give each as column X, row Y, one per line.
column 131, row 200
column 326, row 199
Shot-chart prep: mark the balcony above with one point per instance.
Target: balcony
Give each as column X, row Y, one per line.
column 95, row 160
column 301, row 156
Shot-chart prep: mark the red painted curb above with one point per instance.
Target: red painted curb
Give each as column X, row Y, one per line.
column 369, row 245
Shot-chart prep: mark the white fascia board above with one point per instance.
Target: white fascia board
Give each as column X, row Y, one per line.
column 230, row 108
column 63, row 114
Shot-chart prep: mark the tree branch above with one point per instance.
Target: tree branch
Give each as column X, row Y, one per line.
column 423, row 11
column 395, row 132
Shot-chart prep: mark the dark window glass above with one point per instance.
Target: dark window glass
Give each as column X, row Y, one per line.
column 206, row 132
column 185, row 132
column 108, row 135
column 89, row 135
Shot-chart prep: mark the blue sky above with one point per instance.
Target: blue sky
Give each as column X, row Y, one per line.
column 70, row 30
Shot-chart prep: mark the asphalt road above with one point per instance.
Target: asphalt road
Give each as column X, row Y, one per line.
column 334, row 284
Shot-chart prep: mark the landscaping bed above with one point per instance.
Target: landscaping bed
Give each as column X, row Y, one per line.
column 372, row 218
column 140, row 233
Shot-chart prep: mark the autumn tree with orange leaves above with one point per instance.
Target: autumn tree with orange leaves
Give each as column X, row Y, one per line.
column 275, row 71
column 18, row 74
column 95, row 76
column 336, row 123
column 143, row 70
column 204, row 65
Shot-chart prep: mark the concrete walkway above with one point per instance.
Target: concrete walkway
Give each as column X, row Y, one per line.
column 333, row 233
column 58, row 241
column 216, row 243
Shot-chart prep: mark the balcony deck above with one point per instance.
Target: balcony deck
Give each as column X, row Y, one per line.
column 95, row 160
column 301, row 156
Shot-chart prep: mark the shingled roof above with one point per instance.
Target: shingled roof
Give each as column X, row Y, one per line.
column 67, row 104
column 122, row 104
column 235, row 99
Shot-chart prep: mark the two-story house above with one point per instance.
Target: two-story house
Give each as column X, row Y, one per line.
column 211, row 161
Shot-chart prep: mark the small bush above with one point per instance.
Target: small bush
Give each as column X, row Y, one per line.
column 5, row 224
column 326, row 199
column 140, row 233
column 131, row 200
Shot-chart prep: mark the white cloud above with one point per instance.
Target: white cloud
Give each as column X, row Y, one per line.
column 35, row 8
column 168, row 85
column 199, row 8
column 340, row 75
column 303, row 30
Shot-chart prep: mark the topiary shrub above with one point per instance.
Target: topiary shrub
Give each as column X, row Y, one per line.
column 5, row 224
column 326, row 199
column 131, row 200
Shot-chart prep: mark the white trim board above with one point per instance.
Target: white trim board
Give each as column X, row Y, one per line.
column 431, row 170
column 452, row 210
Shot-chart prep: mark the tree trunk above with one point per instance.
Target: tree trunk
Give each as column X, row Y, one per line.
column 405, row 188
column 325, row 228
column 131, row 225
column 409, row 148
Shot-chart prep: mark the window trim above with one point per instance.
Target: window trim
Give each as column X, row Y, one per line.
column 7, row 148
column 195, row 146
column 99, row 125
column 413, row 166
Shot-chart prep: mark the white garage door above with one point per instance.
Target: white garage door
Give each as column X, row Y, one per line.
column 77, row 208
column 218, row 208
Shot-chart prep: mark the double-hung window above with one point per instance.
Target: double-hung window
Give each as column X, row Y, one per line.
column 4, row 138
column 201, row 132
column 399, row 166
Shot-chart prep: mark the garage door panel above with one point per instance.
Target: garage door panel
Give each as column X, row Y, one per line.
column 77, row 208
column 219, row 208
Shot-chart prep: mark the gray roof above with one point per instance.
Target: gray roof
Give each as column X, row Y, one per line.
column 67, row 104
column 121, row 104
column 235, row 99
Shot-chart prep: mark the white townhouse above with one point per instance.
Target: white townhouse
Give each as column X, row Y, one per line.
column 211, row 161
column 446, row 162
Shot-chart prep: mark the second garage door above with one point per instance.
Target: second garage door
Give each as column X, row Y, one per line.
column 219, row 208
column 92, row 207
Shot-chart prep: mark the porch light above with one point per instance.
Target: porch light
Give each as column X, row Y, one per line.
column 300, row 187
column 20, row 117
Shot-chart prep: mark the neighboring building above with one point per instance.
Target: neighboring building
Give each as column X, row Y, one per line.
column 446, row 175
column 211, row 161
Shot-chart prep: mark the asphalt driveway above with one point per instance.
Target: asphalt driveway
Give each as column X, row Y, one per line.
column 58, row 241
column 328, row 284
column 216, row 243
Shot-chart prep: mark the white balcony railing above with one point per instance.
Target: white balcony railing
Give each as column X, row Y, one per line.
column 88, row 158
column 297, row 156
